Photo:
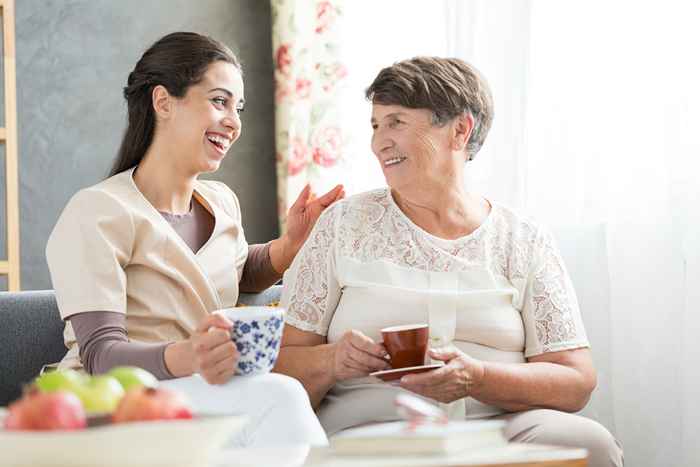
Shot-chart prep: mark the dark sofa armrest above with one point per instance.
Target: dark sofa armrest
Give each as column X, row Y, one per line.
column 31, row 335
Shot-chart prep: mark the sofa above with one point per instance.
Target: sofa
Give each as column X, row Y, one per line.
column 31, row 335
column 31, row 332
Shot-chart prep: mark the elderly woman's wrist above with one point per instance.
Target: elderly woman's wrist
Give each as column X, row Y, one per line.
column 477, row 379
column 331, row 371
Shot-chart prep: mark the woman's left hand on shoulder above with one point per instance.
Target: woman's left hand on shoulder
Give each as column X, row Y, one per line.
column 453, row 381
column 304, row 213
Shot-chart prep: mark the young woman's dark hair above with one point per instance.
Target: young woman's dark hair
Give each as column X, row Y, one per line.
column 176, row 61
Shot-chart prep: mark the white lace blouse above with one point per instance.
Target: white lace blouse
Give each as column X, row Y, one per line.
column 501, row 293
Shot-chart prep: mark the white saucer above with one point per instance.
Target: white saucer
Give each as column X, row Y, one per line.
column 397, row 373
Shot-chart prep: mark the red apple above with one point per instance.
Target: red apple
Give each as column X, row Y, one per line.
column 143, row 404
column 46, row 411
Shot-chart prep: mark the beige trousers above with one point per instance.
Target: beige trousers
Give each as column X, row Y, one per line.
column 544, row 426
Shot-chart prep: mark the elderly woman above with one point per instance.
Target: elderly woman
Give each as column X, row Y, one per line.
column 502, row 311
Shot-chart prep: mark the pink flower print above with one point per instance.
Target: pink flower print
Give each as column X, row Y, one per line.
column 325, row 15
column 283, row 59
column 282, row 90
column 303, row 88
column 340, row 71
column 332, row 74
column 327, row 146
column 299, row 157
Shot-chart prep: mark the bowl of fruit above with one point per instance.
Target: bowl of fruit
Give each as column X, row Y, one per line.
column 67, row 418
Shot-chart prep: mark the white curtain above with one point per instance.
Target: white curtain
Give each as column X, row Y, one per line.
column 597, row 117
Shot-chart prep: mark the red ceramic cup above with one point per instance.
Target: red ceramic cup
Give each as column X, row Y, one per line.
column 406, row 344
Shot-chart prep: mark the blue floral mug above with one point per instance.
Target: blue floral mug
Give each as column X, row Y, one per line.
column 257, row 333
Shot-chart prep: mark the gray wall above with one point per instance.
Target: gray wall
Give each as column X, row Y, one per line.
column 73, row 58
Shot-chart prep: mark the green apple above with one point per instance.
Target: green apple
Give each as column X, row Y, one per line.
column 100, row 394
column 60, row 380
column 133, row 377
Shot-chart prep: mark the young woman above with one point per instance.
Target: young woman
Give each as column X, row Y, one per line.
column 141, row 260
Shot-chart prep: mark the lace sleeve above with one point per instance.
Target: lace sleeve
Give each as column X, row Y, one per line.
column 311, row 290
column 550, row 311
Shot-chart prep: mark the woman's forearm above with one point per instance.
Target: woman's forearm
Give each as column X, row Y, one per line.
column 104, row 344
column 179, row 358
column 523, row 386
column 311, row 365
column 258, row 271
column 282, row 253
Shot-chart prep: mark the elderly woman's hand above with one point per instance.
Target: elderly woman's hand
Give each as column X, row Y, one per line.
column 356, row 355
column 304, row 213
column 214, row 353
column 453, row 381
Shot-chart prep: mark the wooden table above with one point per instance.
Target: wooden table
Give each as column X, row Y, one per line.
column 512, row 455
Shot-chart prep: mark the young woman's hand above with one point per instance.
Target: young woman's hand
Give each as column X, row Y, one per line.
column 214, row 353
column 301, row 218
column 304, row 213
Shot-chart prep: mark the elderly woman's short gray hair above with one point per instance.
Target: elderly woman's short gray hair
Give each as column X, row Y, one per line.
column 447, row 86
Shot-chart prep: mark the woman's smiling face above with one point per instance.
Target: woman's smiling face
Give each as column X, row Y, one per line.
column 206, row 121
column 409, row 148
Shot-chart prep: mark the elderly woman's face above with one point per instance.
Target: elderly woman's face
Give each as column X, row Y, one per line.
column 410, row 149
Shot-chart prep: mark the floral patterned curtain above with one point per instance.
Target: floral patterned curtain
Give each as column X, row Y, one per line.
column 309, row 89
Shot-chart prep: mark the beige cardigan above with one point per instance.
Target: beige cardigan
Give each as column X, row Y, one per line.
column 111, row 250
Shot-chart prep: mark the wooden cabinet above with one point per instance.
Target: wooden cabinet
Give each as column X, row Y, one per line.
column 8, row 136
